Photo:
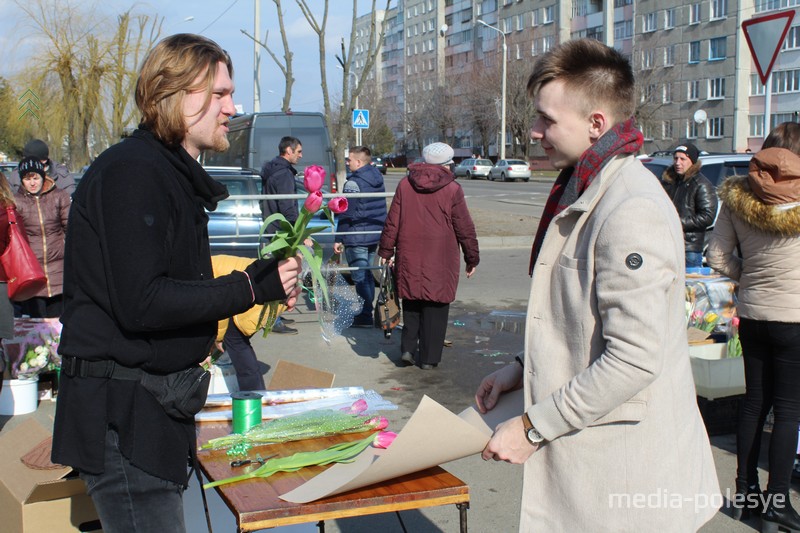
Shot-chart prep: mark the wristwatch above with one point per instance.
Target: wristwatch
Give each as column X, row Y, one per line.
column 531, row 433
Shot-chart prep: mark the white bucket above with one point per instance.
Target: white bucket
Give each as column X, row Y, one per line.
column 19, row 396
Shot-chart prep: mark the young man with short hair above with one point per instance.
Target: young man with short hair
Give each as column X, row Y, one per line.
column 610, row 416
column 362, row 215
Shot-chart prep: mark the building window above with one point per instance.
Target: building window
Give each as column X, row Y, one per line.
column 716, row 128
column 648, row 59
column 756, row 87
column 717, row 48
column 693, row 90
column 786, row 81
column 694, row 14
column 692, row 128
column 694, row 52
column 623, row 30
column 666, row 130
column 650, row 22
column 547, row 42
column 666, row 96
column 716, row 88
column 756, row 125
column 792, row 38
column 648, row 93
column 518, row 53
column 669, row 19
column 669, row 55
column 535, row 17
column 520, row 22
column 549, row 14
column 647, row 132
column 719, row 9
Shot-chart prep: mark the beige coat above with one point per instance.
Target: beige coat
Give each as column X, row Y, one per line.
column 767, row 231
column 607, row 375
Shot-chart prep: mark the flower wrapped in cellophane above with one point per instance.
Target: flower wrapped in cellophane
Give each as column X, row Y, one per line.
column 290, row 239
column 734, row 346
column 34, row 347
column 306, row 425
column 345, row 452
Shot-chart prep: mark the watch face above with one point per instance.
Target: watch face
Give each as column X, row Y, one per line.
column 534, row 437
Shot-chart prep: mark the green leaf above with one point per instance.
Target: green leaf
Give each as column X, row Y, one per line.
column 315, row 262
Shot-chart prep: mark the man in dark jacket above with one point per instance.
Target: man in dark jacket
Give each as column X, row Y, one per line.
column 362, row 215
column 694, row 197
column 277, row 177
column 59, row 173
column 140, row 299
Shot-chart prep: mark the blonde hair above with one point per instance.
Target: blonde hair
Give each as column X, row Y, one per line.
column 6, row 194
column 168, row 74
column 597, row 74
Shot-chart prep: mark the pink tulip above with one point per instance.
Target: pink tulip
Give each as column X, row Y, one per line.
column 314, row 178
column 384, row 439
column 313, row 202
column 735, row 321
column 358, row 407
column 378, row 422
column 338, row 205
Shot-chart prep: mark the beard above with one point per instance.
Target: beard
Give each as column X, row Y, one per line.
column 219, row 142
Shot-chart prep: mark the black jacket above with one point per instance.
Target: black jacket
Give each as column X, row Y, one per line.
column 277, row 177
column 695, row 199
column 139, row 290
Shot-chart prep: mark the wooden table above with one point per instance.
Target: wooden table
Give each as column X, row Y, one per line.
column 256, row 504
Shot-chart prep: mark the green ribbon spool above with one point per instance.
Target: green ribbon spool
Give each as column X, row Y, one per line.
column 246, row 410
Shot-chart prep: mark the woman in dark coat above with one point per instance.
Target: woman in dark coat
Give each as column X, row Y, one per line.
column 6, row 310
column 427, row 222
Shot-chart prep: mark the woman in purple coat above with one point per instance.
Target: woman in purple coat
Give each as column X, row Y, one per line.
column 427, row 222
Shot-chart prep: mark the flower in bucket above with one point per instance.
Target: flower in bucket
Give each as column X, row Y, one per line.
column 734, row 346
column 290, row 239
column 33, row 349
column 704, row 321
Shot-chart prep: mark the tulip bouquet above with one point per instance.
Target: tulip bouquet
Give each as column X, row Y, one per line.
column 34, row 349
column 734, row 346
column 290, row 238
column 345, row 452
column 704, row 321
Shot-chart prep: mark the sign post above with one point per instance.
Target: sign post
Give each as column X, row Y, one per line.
column 765, row 36
column 360, row 122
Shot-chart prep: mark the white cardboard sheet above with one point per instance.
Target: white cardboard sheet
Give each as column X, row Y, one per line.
column 432, row 436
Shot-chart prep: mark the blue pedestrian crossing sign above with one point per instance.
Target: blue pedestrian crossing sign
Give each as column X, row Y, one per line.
column 361, row 118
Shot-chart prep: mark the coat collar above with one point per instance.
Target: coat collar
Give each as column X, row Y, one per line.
column 608, row 175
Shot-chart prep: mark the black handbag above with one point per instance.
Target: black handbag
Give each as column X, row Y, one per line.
column 387, row 307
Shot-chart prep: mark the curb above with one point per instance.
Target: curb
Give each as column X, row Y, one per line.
column 493, row 243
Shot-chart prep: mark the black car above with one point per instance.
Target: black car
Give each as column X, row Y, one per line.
column 380, row 164
column 233, row 228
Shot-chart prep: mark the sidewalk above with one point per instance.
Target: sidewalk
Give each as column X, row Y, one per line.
column 486, row 326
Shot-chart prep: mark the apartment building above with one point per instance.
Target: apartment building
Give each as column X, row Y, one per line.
column 694, row 70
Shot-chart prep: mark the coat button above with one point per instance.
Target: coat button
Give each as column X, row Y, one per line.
column 633, row 261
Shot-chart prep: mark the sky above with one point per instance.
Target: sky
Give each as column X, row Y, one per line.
column 222, row 21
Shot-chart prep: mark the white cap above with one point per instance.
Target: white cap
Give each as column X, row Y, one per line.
column 438, row 154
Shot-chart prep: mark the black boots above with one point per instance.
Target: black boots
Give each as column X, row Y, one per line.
column 748, row 501
column 779, row 514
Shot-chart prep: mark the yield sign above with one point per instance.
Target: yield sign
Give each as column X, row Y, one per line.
column 765, row 36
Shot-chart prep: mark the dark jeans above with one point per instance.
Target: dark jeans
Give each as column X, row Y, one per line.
column 43, row 307
column 244, row 359
column 424, row 326
column 128, row 499
column 771, row 352
column 694, row 259
column 363, row 257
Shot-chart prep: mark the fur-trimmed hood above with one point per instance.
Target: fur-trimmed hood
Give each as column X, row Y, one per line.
column 671, row 176
column 783, row 219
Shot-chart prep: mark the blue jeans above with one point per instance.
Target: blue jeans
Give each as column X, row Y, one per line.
column 363, row 257
column 129, row 499
column 244, row 359
column 694, row 259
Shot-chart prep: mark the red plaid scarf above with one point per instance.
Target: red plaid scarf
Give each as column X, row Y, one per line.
column 624, row 138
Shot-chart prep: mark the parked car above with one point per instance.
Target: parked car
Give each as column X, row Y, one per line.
column 514, row 169
column 716, row 167
column 473, row 168
column 233, row 228
column 380, row 164
column 8, row 167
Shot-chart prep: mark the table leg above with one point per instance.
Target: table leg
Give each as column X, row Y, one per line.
column 462, row 515
column 321, row 526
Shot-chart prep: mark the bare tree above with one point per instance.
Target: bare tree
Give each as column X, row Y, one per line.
column 520, row 112
column 341, row 127
column 286, row 66
column 480, row 93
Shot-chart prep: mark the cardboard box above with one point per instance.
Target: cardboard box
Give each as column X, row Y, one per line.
column 715, row 375
column 33, row 500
